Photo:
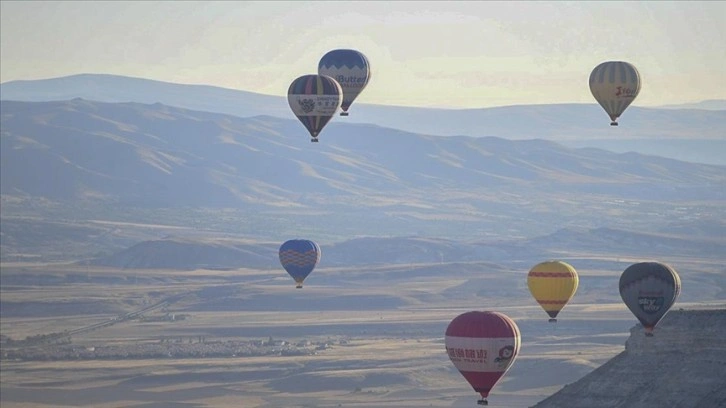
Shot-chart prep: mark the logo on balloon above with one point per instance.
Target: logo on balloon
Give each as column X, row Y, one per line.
column 351, row 80
column 505, row 354
column 625, row 92
column 650, row 304
column 467, row 355
column 307, row 105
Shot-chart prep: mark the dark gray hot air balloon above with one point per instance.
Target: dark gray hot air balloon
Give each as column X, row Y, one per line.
column 649, row 289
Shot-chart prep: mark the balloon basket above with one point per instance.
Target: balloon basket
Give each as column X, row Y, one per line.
column 482, row 402
column 552, row 320
column 613, row 123
column 343, row 113
column 313, row 140
column 648, row 334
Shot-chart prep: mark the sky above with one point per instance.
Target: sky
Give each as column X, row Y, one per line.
column 444, row 54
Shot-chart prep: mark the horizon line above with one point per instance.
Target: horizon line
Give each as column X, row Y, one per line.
column 437, row 107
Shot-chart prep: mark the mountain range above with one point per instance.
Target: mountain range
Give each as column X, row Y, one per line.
column 190, row 253
column 260, row 177
column 695, row 132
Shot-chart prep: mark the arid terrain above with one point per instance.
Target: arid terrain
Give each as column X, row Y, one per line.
column 139, row 245
column 351, row 337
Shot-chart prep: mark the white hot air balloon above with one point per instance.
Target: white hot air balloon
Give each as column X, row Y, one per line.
column 615, row 84
column 351, row 69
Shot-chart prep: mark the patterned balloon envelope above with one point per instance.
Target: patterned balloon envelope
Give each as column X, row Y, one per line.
column 615, row 84
column 649, row 289
column 352, row 71
column 553, row 284
column 482, row 346
column 299, row 257
column 314, row 99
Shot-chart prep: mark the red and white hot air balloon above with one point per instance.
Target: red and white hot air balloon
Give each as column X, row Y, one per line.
column 482, row 346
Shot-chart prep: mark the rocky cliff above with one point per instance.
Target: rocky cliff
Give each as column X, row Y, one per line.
column 683, row 365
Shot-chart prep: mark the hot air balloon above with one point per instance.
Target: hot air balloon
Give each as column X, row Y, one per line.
column 614, row 84
column 314, row 99
column 352, row 71
column 552, row 283
column 299, row 257
column 482, row 346
column 649, row 289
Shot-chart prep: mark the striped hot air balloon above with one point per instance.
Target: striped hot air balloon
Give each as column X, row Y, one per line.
column 553, row 284
column 352, row 71
column 649, row 289
column 299, row 257
column 615, row 84
column 482, row 346
column 314, row 99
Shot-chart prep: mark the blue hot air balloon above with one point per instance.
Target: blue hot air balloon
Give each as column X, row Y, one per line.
column 352, row 71
column 299, row 257
column 314, row 99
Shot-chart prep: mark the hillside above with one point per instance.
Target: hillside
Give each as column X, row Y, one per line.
column 152, row 154
column 189, row 253
column 69, row 166
column 683, row 365
column 683, row 133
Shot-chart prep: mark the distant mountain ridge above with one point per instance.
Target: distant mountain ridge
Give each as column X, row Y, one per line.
column 688, row 134
column 186, row 253
column 710, row 104
column 116, row 88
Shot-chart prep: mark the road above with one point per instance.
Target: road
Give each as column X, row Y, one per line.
column 53, row 337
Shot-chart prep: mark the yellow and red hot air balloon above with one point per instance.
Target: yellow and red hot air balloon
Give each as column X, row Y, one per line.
column 553, row 284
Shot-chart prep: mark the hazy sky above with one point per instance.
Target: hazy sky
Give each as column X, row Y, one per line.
column 443, row 54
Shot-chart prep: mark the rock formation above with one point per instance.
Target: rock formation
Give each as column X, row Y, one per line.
column 683, row 366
